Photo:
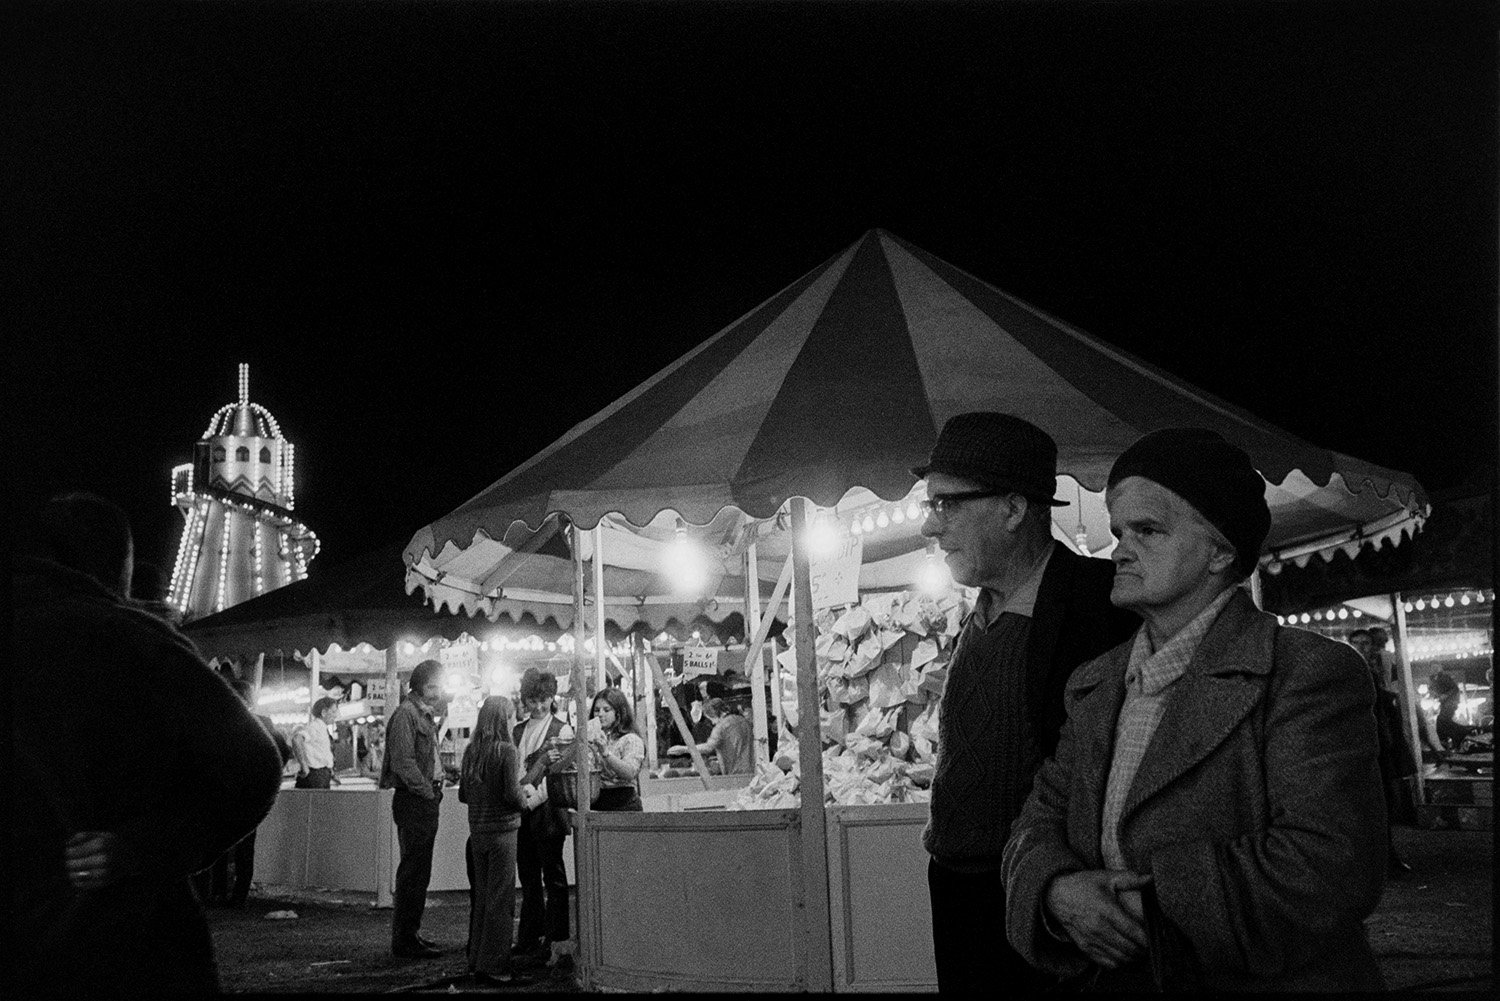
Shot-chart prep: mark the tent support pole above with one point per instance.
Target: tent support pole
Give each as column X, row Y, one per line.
column 385, row 863
column 601, row 675
column 1255, row 592
column 810, row 754
column 260, row 673
column 1413, row 706
column 648, row 684
column 580, row 700
column 314, row 666
column 758, row 662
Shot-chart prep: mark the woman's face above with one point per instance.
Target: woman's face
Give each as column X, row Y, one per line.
column 605, row 714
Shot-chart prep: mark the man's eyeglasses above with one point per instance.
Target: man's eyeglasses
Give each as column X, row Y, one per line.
column 943, row 505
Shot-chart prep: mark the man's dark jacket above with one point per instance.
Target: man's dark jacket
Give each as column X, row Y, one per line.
column 119, row 726
column 1072, row 622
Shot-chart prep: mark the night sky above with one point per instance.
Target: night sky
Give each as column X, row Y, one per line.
column 444, row 233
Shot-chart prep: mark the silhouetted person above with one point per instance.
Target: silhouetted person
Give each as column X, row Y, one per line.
column 143, row 774
column 411, row 769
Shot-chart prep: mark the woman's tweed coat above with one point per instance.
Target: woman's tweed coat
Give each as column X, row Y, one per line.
column 1257, row 811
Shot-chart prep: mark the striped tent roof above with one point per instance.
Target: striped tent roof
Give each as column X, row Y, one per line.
column 842, row 380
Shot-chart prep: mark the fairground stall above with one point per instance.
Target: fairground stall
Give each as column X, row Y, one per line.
column 355, row 623
column 1435, row 600
column 837, row 384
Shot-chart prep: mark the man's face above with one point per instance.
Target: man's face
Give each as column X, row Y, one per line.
column 330, row 715
column 975, row 543
column 1362, row 643
column 535, row 708
column 1165, row 552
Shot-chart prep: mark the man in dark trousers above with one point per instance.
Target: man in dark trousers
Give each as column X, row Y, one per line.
column 1042, row 610
column 544, row 824
column 411, row 768
column 145, row 772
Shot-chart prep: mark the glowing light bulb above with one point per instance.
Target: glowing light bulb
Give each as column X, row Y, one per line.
column 1280, row 621
column 855, row 528
column 1407, row 606
column 934, row 578
column 1449, row 602
column 1305, row 618
column 898, row 515
column 1464, row 600
column 913, row 511
column 882, row 520
column 1358, row 613
column 1421, row 605
column 868, row 523
column 408, row 649
column 1343, row 613
column 685, row 565
column 822, row 538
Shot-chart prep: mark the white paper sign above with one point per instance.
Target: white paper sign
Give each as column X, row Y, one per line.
column 462, row 658
column 698, row 660
column 375, row 694
column 835, row 578
column 462, row 714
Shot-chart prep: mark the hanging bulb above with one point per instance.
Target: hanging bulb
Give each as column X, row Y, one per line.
column 882, row 520
column 1357, row 613
column 1343, row 613
column 855, row 528
column 1421, row 605
column 898, row 514
column 913, row 511
column 1449, row 602
column 1464, row 600
column 934, row 578
column 868, row 523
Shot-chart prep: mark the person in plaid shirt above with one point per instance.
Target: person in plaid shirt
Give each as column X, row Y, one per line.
column 1212, row 819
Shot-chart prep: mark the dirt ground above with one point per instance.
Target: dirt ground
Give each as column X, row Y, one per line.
column 1434, row 932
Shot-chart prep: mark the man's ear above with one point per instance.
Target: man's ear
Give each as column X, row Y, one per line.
column 1017, row 515
column 1222, row 560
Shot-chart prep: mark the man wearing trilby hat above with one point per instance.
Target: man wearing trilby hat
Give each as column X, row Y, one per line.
column 1042, row 610
column 1212, row 819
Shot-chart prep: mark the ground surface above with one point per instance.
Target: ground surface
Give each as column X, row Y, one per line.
column 1433, row 932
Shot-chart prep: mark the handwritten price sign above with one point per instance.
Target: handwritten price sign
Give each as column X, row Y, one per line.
column 835, row 578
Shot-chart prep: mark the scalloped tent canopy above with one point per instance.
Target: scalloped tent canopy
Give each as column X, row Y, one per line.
column 362, row 600
column 843, row 379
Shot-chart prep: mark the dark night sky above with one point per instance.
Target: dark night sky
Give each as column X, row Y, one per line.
column 444, row 233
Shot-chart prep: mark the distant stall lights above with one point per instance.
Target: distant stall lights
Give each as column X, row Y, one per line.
column 1433, row 602
column 871, row 519
column 1436, row 601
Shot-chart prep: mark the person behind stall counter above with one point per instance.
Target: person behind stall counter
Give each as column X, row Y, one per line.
column 314, row 749
column 732, row 738
column 618, row 752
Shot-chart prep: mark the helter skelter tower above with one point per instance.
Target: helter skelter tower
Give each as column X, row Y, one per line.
column 240, row 538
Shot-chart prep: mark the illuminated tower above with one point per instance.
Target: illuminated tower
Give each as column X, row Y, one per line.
column 240, row 538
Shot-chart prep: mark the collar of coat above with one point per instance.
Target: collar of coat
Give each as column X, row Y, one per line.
column 1225, row 679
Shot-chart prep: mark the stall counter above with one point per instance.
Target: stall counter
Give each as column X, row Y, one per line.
column 343, row 839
